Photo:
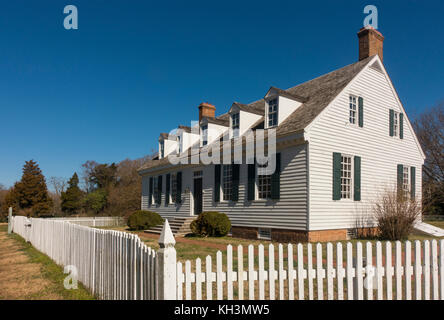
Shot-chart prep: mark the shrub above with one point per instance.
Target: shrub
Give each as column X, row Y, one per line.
column 142, row 220
column 213, row 224
column 396, row 215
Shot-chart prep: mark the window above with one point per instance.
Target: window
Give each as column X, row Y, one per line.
column 264, row 233
column 395, row 123
column 264, row 182
column 405, row 181
column 204, row 130
column 155, row 189
column 235, row 124
column 173, row 187
column 272, row 113
column 227, row 181
column 353, row 113
column 162, row 150
column 346, row 177
column 179, row 145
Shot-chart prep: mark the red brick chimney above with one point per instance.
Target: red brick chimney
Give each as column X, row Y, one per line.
column 206, row 110
column 371, row 42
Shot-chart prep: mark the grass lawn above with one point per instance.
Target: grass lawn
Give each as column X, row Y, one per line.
column 46, row 275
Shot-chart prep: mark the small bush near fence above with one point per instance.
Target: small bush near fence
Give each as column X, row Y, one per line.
column 142, row 220
column 211, row 224
column 396, row 215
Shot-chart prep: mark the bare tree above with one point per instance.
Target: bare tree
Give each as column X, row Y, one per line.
column 87, row 172
column 58, row 185
column 429, row 128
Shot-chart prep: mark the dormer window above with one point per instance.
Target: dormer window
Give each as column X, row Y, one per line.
column 272, row 113
column 235, row 124
column 162, row 150
column 204, row 131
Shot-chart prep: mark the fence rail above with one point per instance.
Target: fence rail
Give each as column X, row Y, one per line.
column 117, row 265
column 92, row 221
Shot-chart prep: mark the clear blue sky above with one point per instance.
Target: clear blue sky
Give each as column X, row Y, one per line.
column 134, row 69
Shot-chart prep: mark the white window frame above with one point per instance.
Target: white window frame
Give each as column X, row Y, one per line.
column 406, row 187
column 227, row 191
column 395, row 123
column 235, row 126
column 258, row 182
column 353, row 114
column 276, row 112
column 347, row 195
column 204, row 135
column 264, row 230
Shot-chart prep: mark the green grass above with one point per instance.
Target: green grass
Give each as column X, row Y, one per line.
column 50, row 271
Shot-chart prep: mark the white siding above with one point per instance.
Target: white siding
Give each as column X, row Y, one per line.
column 380, row 153
column 290, row 212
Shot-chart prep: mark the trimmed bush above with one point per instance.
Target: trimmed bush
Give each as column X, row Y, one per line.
column 142, row 220
column 211, row 224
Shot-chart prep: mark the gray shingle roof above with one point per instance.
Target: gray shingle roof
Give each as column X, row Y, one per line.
column 318, row 93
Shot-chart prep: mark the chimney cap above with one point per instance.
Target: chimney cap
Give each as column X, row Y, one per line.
column 207, row 105
column 369, row 28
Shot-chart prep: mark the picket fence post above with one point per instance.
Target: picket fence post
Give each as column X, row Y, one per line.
column 10, row 220
column 167, row 269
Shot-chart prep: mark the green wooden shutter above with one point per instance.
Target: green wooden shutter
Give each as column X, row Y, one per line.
column 401, row 126
column 216, row 190
column 413, row 182
column 357, row 178
column 235, row 182
column 179, row 188
column 399, row 178
column 392, row 116
column 336, row 176
column 361, row 111
column 150, row 191
column 276, row 179
column 167, row 189
column 159, row 190
column 251, row 181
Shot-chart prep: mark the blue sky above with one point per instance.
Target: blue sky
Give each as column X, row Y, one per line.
column 134, row 69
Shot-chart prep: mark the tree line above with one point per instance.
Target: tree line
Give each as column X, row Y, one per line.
column 115, row 189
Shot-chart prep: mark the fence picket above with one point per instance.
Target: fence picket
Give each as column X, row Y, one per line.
column 188, row 280
column 240, row 270
column 301, row 275
column 230, row 272
column 426, row 270
column 251, row 272
column 408, row 270
column 388, row 270
column 350, row 272
column 219, row 275
column 359, row 274
column 209, row 278
column 199, row 279
column 281, row 271
column 271, row 276
column 379, row 271
column 435, row 288
column 319, row 275
column 398, row 270
column 329, row 271
column 418, row 270
column 339, row 271
column 290, row 272
column 369, row 270
column 261, row 273
column 310, row 271
column 179, row 281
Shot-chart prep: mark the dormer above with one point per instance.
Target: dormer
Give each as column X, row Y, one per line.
column 167, row 145
column 242, row 118
column 212, row 129
column 186, row 137
column 279, row 104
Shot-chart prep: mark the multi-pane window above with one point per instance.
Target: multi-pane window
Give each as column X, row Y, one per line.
column 162, row 149
column 264, row 233
column 353, row 114
column 235, row 124
column 272, row 113
column 227, row 181
column 173, row 187
column 405, row 182
column 263, row 182
column 155, row 189
column 204, row 129
column 395, row 123
column 346, row 177
column 179, row 145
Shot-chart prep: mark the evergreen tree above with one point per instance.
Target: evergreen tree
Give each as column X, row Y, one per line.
column 30, row 193
column 71, row 199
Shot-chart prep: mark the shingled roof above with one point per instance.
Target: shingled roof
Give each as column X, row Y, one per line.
column 318, row 92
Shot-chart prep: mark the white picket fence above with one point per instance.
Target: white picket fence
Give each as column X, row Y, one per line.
column 93, row 221
column 117, row 265
column 112, row 264
column 319, row 272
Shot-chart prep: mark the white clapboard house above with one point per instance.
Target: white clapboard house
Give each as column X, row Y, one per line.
column 342, row 139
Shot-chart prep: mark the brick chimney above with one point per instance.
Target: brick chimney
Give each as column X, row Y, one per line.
column 371, row 42
column 206, row 110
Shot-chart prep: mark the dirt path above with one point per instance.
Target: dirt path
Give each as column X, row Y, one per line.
column 19, row 278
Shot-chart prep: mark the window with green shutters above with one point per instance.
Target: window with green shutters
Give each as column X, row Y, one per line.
column 276, row 179
column 401, row 126
column 412, row 183
column 361, row 112
column 396, row 124
column 346, row 177
column 356, row 110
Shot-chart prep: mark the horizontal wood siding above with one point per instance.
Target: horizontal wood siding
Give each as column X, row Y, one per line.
column 380, row 154
column 290, row 212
